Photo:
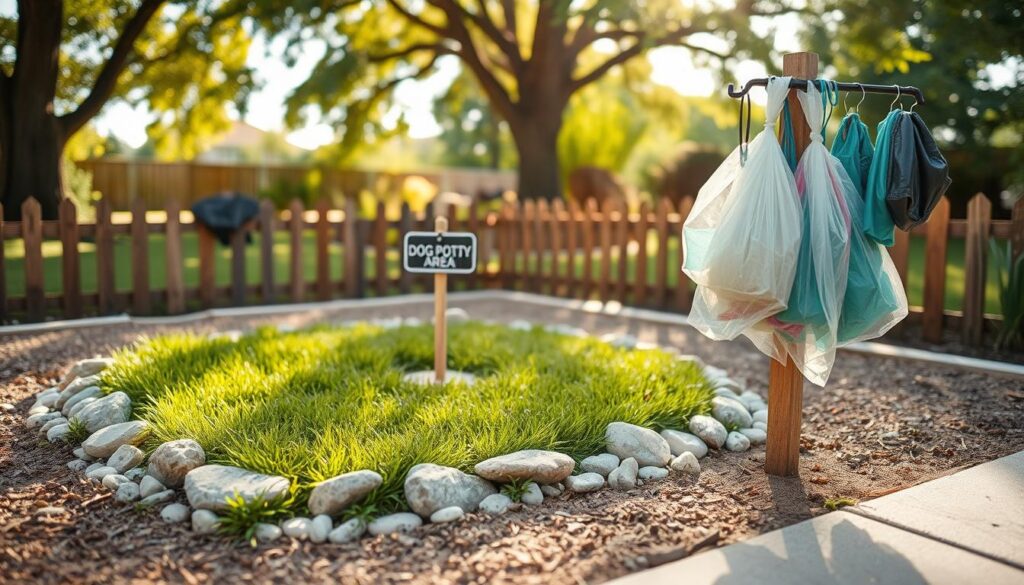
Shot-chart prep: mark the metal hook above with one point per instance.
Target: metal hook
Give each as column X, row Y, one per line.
column 913, row 104
column 892, row 106
column 863, row 96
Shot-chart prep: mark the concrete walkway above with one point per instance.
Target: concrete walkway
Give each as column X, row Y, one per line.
column 964, row 528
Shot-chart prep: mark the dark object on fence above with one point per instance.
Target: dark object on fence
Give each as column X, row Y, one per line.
column 225, row 212
column 918, row 174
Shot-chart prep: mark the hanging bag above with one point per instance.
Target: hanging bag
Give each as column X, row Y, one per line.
column 807, row 330
column 878, row 223
column 918, row 173
column 852, row 146
column 741, row 238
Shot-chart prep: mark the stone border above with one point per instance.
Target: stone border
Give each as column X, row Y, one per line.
column 612, row 308
column 110, row 455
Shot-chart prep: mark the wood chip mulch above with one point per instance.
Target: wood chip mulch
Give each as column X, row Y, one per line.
column 881, row 425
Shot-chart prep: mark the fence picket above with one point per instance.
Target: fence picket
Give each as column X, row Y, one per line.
column 664, row 207
column 323, row 254
column 32, row 234
column 172, row 250
column 140, row 259
column 268, row 288
column 473, row 222
column 900, row 254
column 640, row 275
column 979, row 221
column 404, row 227
column 104, row 258
column 207, row 266
column 526, row 243
column 298, row 275
column 572, row 229
column 684, row 292
column 556, row 225
column 1017, row 228
column 604, row 282
column 238, row 279
column 935, row 272
column 622, row 223
column 71, row 282
column 3, row 272
column 589, row 217
column 540, row 222
column 506, row 261
column 353, row 267
column 380, row 248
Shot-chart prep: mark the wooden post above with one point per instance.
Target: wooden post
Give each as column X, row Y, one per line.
column 785, row 382
column 172, row 249
column 72, row 282
column 979, row 221
column 440, row 319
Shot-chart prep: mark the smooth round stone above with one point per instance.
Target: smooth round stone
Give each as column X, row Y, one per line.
column 347, row 531
column 651, row 473
column 127, row 492
column 532, row 496
column 77, row 465
column 125, row 458
column 157, row 498
column 297, row 528
column 429, row 488
column 319, row 528
column 266, row 533
column 81, row 454
column 624, row 476
column 204, row 522
column 100, row 472
column 208, row 487
column 71, row 406
column 449, row 514
column 731, row 413
column 550, row 491
column 103, row 412
column 714, row 374
column 530, row 464
column 728, row 383
column 36, row 410
column 752, row 400
column 175, row 513
column 93, row 465
column 686, row 463
column 495, row 504
column 584, row 482
column 456, row 315
column 760, row 425
column 135, row 474
column 149, row 485
column 680, row 442
column 709, row 430
column 171, row 461
column 628, row 440
column 400, row 522
column 104, row 442
column 604, row 463
column 36, row 420
column 334, row 495
column 727, row 393
column 755, row 436
column 60, row 420
column 761, row 416
column 58, row 433
column 114, row 481
column 737, row 442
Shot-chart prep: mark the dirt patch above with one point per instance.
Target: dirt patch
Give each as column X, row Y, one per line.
column 881, row 425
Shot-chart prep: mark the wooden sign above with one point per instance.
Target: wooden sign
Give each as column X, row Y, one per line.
column 440, row 252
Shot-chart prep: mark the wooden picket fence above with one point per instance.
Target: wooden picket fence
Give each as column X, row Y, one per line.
column 563, row 249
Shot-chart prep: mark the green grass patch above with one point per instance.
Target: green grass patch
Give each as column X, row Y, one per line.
column 312, row 404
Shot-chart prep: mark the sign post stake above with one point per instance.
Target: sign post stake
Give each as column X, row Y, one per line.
column 785, row 382
column 440, row 317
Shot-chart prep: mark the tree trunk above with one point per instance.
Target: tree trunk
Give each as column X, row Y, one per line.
column 536, row 141
column 33, row 139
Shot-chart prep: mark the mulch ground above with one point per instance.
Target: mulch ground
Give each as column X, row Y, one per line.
column 880, row 426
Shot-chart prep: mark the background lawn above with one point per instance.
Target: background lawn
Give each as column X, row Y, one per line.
column 310, row 405
column 15, row 272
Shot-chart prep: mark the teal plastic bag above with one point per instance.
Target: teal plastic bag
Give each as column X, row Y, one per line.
column 874, row 299
column 878, row 224
column 852, row 146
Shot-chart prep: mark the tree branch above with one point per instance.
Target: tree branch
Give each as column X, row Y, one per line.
column 626, row 54
column 482, row 19
column 106, row 81
column 438, row 30
column 438, row 49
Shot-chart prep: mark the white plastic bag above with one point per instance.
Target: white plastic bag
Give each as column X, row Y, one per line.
column 741, row 238
column 807, row 329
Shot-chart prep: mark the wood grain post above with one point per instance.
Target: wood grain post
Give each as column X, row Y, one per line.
column 140, row 259
column 71, row 269
column 404, row 227
column 323, row 251
column 172, row 249
column 238, row 280
column 32, row 234
column 298, row 275
column 268, row 288
column 785, row 382
column 380, row 249
column 979, row 223
column 640, row 274
column 3, row 271
column 684, row 290
column 1017, row 229
column 353, row 248
column 937, row 239
column 661, row 265
column 207, row 266
column 440, row 318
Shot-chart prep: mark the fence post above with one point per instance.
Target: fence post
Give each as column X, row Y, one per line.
column 323, row 254
column 540, row 221
column 404, row 226
column 238, row 281
column 140, row 258
column 622, row 225
column 640, row 274
column 268, row 286
column 104, row 257
column 589, row 212
column 684, row 293
column 935, row 272
column 664, row 207
column 979, row 223
column 298, row 275
column 32, row 234
column 207, row 266
column 473, row 223
column 506, row 261
column 353, row 250
column 603, row 287
column 71, row 269
column 175, row 279
column 1017, row 229
column 572, row 246
column 3, row 271
column 380, row 248
column 555, row 237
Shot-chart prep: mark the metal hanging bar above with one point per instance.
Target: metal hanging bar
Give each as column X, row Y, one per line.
column 842, row 85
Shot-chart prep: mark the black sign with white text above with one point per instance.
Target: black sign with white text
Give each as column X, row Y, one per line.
column 433, row 252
